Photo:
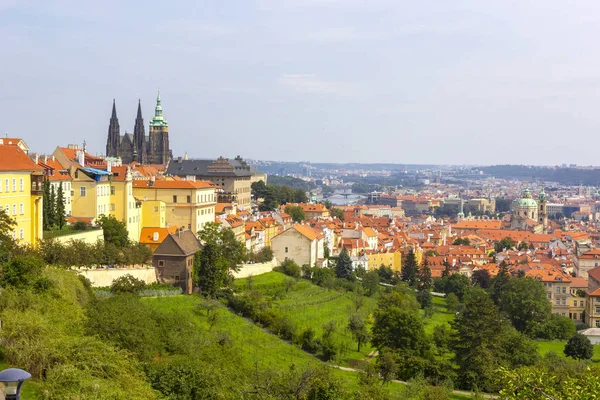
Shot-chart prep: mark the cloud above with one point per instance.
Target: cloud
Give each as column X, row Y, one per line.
column 310, row 83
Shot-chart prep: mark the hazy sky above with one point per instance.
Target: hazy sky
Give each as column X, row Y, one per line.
column 460, row 82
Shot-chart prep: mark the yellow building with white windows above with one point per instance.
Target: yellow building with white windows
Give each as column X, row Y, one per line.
column 124, row 206
column 21, row 193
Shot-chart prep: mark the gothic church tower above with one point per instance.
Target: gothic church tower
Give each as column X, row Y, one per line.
column 159, row 151
column 114, row 134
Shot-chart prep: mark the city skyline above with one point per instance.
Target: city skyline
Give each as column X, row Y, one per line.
column 466, row 83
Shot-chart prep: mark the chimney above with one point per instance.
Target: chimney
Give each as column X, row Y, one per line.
column 152, row 179
column 81, row 158
column 53, row 157
column 46, row 158
column 37, row 157
column 179, row 160
column 108, row 166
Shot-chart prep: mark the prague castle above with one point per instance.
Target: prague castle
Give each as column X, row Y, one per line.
column 145, row 149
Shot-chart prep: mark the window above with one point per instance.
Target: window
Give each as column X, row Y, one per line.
column 112, row 190
column 21, row 208
column 15, row 234
column 14, row 184
column 7, row 210
column 575, row 303
column 161, row 263
column 189, row 199
column 174, row 199
column 597, row 324
column 21, row 188
column 581, row 303
column 21, row 234
column 597, row 310
column 14, row 209
column 574, row 315
column 564, row 302
column 82, row 191
column 7, row 185
column 155, row 209
column 286, row 249
column 558, row 302
column 558, row 290
column 564, row 289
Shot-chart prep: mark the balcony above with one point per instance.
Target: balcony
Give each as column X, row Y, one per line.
column 37, row 185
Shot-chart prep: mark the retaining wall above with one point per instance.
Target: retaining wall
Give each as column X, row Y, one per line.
column 256, row 269
column 105, row 277
column 90, row 237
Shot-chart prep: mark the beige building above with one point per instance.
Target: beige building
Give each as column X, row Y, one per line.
column 592, row 304
column 586, row 261
column 188, row 204
column 300, row 243
column 234, row 177
column 557, row 284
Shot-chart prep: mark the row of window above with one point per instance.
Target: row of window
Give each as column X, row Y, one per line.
column 201, row 198
column 7, row 185
column 207, row 211
column 14, row 209
column 21, row 234
column 564, row 302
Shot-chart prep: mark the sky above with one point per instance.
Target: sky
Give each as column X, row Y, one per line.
column 441, row 82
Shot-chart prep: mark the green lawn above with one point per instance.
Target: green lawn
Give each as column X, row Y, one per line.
column 440, row 317
column 558, row 347
column 308, row 305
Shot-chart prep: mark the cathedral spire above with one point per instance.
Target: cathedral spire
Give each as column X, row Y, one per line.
column 114, row 110
column 114, row 133
column 139, row 136
column 159, row 119
column 139, row 111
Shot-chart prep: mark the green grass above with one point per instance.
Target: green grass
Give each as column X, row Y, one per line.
column 66, row 230
column 440, row 317
column 308, row 305
column 558, row 347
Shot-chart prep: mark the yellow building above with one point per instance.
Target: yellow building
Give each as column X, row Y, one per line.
column 91, row 193
column 392, row 259
column 21, row 193
column 124, row 206
column 189, row 204
column 154, row 213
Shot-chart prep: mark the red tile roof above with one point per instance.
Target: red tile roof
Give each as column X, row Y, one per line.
column 12, row 158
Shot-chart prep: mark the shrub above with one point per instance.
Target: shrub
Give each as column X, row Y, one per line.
column 127, row 284
column 290, row 268
column 80, row 226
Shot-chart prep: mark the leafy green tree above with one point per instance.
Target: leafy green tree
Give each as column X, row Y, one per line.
column 226, row 244
column 370, row 283
column 300, row 196
column 21, row 272
column 385, row 273
column 337, row 213
column 425, row 298
column 579, row 347
column 524, row 301
column 359, row 330
column 507, row 243
column 7, row 242
column 457, row 284
column 523, row 246
column 61, row 218
column 127, row 284
column 46, row 206
column 461, row 242
column 409, row 269
column 399, row 329
column 296, row 212
column 481, row 278
column 452, row 302
column 210, row 269
column 447, row 268
column 343, row 267
column 114, row 231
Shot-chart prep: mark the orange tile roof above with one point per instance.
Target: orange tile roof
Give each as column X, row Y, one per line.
column 369, row 231
column 579, row 282
column 478, row 224
column 11, row 141
column 12, row 158
column 53, row 170
column 595, row 253
column 147, row 234
column 307, row 231
column 172, row 184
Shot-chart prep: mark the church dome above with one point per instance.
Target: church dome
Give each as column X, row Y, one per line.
column 526, row 200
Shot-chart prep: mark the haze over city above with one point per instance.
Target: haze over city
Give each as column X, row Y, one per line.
column 462, row 82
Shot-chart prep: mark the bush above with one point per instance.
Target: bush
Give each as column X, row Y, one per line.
column 127, row 284
column 80, row 226
column 290, row 268
column 263, row 255
column 308, row 341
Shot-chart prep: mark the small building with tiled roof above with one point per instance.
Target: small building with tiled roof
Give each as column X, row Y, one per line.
column 300, row 243
column 174, row 259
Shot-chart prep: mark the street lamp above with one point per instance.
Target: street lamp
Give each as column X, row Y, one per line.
column 13, row 380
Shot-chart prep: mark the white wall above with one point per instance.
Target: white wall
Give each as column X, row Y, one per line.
column 256, row 269
column 105, row 277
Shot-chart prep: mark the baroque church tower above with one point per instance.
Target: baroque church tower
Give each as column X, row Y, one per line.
column 151, row 149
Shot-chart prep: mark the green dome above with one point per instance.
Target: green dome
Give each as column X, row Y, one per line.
column 527, row 202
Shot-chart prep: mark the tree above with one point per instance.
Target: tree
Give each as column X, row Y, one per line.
column 424, row 280
column 115, row 231
column 409, row 269
column 483, row 341
column 579, row 347
column 507, row 243
column 61, row 219
column 300, row 196
column 343, row 267
column 461, row 242
column 46, row 206
column 7, row 243
column 523, row 246
column 524, row 301
column 452, row 302
column 457, row 284
column 370, row 283
column 52, row 221
column 359, row 330
column 226, row 244
column 481, row 278
column 337, row 213
column 499, row 282
column 127, row 284
column 399, row 329
column 296, row 212
column 446, row 270
column 210, row 269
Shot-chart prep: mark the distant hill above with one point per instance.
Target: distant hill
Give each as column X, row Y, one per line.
column 566, row 176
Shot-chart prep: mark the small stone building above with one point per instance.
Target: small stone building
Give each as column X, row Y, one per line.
column 174, row 259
